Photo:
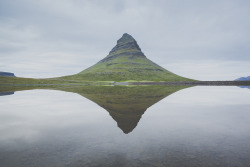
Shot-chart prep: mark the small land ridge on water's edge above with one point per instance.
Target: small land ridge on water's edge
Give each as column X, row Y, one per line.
column 54, row 82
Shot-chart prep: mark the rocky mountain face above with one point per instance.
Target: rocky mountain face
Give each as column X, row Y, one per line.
column 8, row 74
column 126, row 42
column 126, row 61
column 126, row 45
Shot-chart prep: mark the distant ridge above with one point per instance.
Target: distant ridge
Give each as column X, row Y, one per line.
column 126, row 62
column 8, row 74
column 243, row 79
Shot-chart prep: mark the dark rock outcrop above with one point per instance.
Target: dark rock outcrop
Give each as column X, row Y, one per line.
column 126, row 42
column 126, row 46
column 8, row 74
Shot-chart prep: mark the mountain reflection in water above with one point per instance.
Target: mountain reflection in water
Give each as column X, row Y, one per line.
column 125, row 104
column 200, row 126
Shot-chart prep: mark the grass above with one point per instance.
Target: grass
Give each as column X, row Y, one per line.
column 19, row 80
column 124, row 68
column 4, row 80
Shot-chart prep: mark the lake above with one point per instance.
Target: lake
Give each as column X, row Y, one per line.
column 125, row 126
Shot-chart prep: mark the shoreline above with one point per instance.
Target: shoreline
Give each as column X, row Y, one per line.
column 196, row 83
column 193, row 83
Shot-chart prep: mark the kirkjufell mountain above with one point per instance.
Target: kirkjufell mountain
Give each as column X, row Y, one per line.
column 126, row 61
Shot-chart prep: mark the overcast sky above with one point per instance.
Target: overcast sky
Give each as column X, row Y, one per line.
column 199, row 39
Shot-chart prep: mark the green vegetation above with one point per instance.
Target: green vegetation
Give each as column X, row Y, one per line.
column 30, row 81
column 124, row 68
column 19, row 80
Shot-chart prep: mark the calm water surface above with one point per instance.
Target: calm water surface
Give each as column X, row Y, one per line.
column 125, row 127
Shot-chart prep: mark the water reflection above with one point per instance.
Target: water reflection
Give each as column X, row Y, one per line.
column 198, row 126
column 6, row 93
column 125, row 104
column 248, row 87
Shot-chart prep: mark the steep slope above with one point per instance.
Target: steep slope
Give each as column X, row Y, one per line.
column 125, row 62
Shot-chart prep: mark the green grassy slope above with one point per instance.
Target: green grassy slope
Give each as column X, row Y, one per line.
column 124, row 68
column 18, row 80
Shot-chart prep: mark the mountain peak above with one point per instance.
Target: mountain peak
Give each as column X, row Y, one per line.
column 126, row 44
column 126, row 38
